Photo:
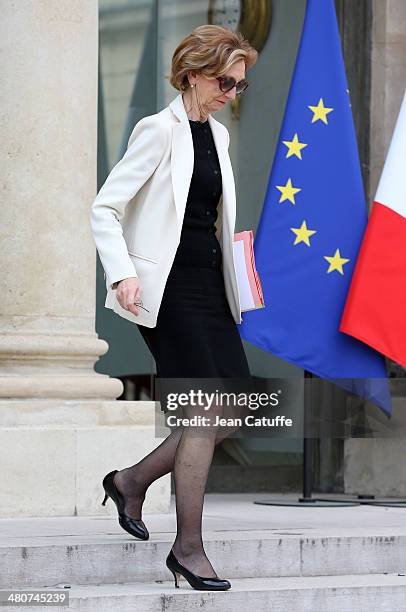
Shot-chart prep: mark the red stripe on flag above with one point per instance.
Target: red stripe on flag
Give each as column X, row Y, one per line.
column 375, row 310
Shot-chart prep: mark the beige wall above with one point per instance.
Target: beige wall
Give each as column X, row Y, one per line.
column 376, row 466
column 388, row 76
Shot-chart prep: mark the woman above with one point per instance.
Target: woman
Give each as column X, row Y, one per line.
column 189, row 306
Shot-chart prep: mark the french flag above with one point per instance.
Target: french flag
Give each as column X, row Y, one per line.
column 375, row 309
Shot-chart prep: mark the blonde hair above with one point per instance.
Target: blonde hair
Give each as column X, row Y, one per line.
column 210, row 50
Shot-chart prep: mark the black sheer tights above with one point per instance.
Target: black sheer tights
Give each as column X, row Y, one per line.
column 188, row 451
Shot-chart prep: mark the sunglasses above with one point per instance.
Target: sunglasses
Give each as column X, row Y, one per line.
column 227, row 83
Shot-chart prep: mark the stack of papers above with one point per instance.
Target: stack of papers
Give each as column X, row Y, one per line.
column 249, row 284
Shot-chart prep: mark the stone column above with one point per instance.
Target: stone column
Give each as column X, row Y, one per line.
column 48, row 122
column 60, row 431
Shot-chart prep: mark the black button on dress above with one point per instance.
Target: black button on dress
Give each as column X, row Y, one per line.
column 196, row 335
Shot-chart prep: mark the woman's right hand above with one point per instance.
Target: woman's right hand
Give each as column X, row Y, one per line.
column 128, row 292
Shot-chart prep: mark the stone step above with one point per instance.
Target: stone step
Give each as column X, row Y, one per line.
column 113, row 557
column 343, row 593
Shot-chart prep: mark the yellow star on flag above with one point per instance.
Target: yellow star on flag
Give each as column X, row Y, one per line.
column 302, row 234
column 336, row 262
column 320, row 112
column 294, row 147
column 288, row 191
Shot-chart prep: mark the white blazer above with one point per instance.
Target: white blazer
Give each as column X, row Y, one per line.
column 137, row 216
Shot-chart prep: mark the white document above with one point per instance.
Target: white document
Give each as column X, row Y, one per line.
column 246, row 298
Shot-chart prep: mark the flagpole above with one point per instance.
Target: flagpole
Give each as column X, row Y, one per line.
column 308, row 460
column 308, row 442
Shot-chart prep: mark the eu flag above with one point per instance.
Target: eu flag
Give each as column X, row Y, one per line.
column 312, row 223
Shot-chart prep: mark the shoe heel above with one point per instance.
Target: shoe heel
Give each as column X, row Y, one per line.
column 176, row 575
column 105, row 499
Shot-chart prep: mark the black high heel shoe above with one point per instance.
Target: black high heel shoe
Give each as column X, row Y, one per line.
column 135, row 527
column 197, row 582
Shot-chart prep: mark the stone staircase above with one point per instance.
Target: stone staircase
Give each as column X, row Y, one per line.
column 277, row 559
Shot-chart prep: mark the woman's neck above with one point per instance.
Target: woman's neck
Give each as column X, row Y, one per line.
column 192, row 114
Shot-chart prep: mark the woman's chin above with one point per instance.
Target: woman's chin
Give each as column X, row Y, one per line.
column 217, row 106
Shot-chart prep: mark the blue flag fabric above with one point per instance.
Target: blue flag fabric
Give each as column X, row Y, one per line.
column 312, row 223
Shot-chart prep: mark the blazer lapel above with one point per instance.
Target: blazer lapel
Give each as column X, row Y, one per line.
column 227, row 176
column 182, row 158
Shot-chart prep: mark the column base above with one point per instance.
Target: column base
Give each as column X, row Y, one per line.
column 54, row 455
column 54, row 365
column 57, row 386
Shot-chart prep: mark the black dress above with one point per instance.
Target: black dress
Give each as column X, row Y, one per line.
column 196, row 335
